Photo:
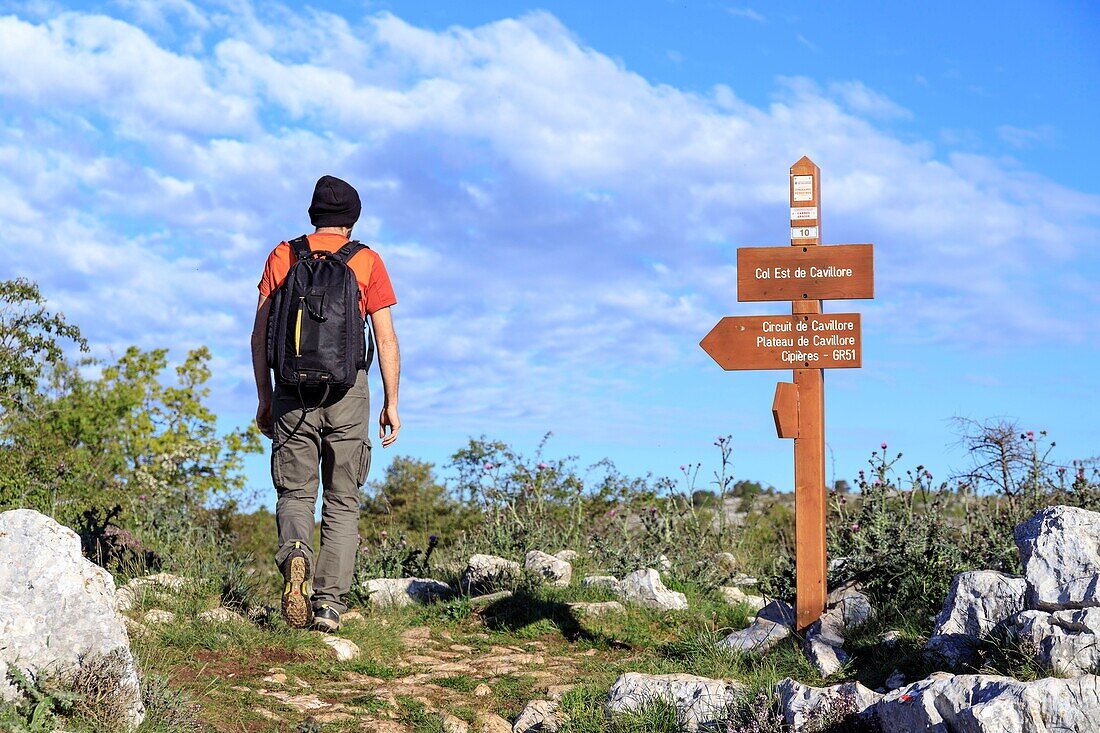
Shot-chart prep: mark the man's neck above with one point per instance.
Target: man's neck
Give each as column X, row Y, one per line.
column 342, row 231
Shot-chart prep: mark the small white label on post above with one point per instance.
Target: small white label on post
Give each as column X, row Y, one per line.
column 803, row 188
column 803, row 212
column 803, row 232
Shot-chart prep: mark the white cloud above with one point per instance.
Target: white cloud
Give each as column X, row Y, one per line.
column 551, row 219
column 858, row 98
column 1025, row 137
column 748, row 13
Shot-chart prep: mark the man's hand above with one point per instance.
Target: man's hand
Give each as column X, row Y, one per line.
column 263, row 419
column 388, row 419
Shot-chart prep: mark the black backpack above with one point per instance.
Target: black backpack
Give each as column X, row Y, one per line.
column 316, row 335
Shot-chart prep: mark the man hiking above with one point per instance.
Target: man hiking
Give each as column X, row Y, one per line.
column 315, row 295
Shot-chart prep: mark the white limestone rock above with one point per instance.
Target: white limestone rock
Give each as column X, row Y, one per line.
column 854, row 607
column 823, row 643
column 221, row 614
column 539, row 716
column 486, row 573
column 826, row 658
column 1060, row 551
column 401, row 592
column 162, row 583
column 490, row 598
column 734, row 596
column 802, row 704
column 644, row 588
column 992, row 704
column 777, row 611
column 725, row 562
column 607, row 582
column 758, row 638
column 156, row 616
column 700, row 702
column 552, row 570
column 596, row 609
column 57, row 609
column 1065, row 642
column 344, row 649
column 978, row 603
column 772, row 624
column 567, row 555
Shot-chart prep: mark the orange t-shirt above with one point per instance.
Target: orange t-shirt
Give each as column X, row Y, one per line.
column 375, row 291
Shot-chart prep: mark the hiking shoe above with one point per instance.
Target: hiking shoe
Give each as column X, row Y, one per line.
column 326, row 618
column 297, row 610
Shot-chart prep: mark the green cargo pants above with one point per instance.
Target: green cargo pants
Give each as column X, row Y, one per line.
column 334, row 437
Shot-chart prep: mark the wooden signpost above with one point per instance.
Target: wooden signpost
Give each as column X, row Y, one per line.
column 806, row 341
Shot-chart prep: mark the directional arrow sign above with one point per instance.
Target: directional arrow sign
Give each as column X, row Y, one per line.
column 835, row 271
column 786, row 342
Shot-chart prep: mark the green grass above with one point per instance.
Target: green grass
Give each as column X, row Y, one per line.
column 461, row 683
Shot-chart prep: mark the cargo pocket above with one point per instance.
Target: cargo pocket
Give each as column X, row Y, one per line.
column 276, row 468
column 364, row 462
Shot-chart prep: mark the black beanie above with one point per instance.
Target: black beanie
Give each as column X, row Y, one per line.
column 335, row 203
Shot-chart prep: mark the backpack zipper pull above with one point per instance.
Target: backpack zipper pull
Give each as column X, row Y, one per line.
column 298, row 328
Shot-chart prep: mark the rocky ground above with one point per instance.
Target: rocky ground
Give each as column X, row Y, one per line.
column 526, row 646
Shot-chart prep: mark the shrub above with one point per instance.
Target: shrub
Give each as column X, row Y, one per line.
column 895, row 541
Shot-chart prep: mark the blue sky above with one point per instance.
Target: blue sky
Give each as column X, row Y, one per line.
column 559, row 190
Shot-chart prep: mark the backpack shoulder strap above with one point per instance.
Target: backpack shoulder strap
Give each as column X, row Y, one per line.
column 300, row 247
column 349, row 250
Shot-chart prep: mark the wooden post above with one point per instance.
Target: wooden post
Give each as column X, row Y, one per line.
column 809, row 446
column 806, row 341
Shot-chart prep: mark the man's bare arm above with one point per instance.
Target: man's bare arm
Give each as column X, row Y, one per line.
column 389, row 363
column 261, row 368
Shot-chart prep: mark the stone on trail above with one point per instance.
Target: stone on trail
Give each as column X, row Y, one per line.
column 552, row 570
column 758, row 638
column 127, row 594
column 777, row 611
column 855, row 607
column 992, row 704
column 802, row 704
column 453, row 724
column 158, row 616
column 401, row 592
column 58, row 610
column 734, row 595
column 823, row 644
column 1065, row 642
column 539, row 716
column 826, row 658
column 493, row 723
column 700, row 702
column 644, row 588
column 490, row 598
column 595, row 609
column 772, row 624
column 978, row 603
column 345, row 649
column 1060, row 551
column 725, row 562
column 488, row 573
column 221, row 614
column 740, row 579
column 607, row 582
